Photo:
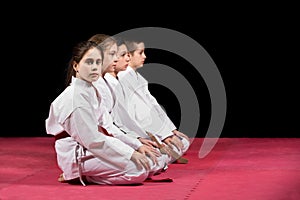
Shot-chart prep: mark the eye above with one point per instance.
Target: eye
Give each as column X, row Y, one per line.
column 89, row 61
column 112, row 53
column 124, row 53
column 141, row 52
column 99, row 62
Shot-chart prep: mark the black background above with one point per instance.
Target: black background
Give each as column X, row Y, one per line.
column 254, row 50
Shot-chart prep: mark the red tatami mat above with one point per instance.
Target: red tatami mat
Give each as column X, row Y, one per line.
column 236, row 168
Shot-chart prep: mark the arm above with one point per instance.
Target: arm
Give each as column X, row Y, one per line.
column 162, row 114
column 108, row 124
column 82, row 125
column 168, row 125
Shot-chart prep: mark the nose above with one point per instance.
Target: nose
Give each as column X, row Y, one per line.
column 96, row 67
column 127, row 57
column 115, row 58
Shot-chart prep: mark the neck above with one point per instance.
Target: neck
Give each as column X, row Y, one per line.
column 134, row 68
column 114, row 74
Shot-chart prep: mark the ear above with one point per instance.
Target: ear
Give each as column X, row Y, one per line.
column 75, row 65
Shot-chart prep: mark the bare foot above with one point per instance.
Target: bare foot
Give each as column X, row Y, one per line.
column 61, row 178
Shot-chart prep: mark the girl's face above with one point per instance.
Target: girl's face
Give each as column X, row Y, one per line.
column 110, row 59
column 89, row 67
column 123, row 60
column 138, row 57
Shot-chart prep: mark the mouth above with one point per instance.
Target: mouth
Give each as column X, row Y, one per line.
column 94, row 74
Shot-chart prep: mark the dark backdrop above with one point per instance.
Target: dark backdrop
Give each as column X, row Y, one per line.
column 255, row 56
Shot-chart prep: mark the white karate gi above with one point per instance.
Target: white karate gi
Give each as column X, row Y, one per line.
column 78, row 111
column 120, row 113
column 144, row 108
column 108, row 121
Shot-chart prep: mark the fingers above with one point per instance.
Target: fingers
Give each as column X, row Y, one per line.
column 177, row 143
column 182, row 135
column 140, row 160
column 156, row 152
column 152, row 153
column 144, row 162
column 166, row 150
column 174, row 141
column 147, row 142
column 144, row 149
column 153, row 144
column 185, row 136
column 153, row 157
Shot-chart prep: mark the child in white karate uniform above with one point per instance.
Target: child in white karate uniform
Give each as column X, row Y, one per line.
column 84, row 150
column 143, row 107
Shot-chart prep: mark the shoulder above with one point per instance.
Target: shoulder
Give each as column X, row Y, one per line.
column 125, row 73
column 75, row 96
